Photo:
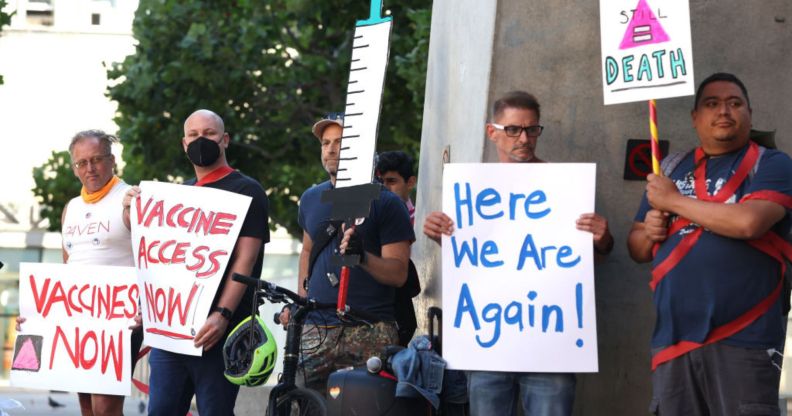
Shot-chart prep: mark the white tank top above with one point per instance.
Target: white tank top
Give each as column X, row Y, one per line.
column 95, row 233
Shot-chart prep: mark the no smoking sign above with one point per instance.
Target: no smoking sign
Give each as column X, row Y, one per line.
column 638, row 158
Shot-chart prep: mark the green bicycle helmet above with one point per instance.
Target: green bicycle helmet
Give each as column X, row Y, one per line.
column 249, row 353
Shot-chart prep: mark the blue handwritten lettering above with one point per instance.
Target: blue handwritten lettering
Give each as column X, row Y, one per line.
column 486, row 198
column 469, row 250
column 539, row 255
column 487, row 204
column 463, row 201
column 494, row 314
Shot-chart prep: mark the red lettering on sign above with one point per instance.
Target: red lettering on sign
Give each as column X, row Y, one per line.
column 171, row 212
column 105, row 347
column 142, row 258
column 103, row 302
column 193, row 220
column 170, row 304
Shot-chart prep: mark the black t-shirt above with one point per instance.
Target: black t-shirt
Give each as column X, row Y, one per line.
column 255, row 225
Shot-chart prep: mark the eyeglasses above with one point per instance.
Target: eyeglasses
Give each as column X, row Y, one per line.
column 95, row 160
column 515, row 131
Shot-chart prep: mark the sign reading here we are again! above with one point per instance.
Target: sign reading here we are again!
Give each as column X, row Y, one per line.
column 646, row 50
column 76, row 334
column 182, row 237
column 518, row 277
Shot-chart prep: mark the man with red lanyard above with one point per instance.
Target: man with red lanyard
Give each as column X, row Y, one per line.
column 712, row 228
column 175, row 378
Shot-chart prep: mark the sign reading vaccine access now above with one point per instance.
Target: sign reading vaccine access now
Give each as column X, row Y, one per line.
column 518, row 277
column 182, row 237
column 646, row 50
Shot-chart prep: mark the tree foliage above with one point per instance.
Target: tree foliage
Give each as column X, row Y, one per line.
column 55, row 186
column 270, row 69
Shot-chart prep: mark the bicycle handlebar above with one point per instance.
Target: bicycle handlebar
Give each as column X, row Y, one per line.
column 276, row 293
column 271, row 289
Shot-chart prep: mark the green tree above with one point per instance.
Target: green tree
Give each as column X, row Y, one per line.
column 270, row 69
column 55, row 186
column 5, row 19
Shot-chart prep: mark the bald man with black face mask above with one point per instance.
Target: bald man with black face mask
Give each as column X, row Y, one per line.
column 175, row 378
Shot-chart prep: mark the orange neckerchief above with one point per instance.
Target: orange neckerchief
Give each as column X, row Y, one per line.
column 97, row 196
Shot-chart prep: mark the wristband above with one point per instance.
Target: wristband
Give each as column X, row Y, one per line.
column 224, row 312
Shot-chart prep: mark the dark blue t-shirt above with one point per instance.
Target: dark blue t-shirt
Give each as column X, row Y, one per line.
column 388, row 222
column 721, row 278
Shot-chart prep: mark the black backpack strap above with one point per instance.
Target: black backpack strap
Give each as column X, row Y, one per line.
column 320, row 241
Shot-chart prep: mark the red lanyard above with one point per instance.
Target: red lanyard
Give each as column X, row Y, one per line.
column 700, row 175
column 769, row 244
column 215, row 175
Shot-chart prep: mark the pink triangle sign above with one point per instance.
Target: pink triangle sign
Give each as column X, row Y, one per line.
column 644, row 28
column 26, row 358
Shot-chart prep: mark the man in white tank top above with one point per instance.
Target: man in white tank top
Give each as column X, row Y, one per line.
column 93, row 232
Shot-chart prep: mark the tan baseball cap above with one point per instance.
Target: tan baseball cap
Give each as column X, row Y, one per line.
column 330, row 118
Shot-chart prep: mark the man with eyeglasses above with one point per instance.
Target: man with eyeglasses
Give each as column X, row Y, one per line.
column 383, row 243
column 98, row 208
column 515, row 130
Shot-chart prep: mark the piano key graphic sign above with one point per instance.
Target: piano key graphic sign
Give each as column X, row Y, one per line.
column 646, row 50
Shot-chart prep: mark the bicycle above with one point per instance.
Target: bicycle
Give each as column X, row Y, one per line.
column 286, row 398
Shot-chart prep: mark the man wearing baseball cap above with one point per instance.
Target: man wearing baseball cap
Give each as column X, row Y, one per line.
column 383, row 243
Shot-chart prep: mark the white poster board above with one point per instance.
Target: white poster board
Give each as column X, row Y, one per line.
column 76, row 336
column 182, row 237
column 518, row 289
column 646, row 50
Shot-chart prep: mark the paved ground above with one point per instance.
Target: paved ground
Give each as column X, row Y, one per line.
column 40, row 403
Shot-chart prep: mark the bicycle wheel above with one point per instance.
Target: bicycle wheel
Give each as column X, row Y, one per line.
column 300, row 402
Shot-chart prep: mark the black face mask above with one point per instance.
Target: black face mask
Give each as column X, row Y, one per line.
column 203, row 152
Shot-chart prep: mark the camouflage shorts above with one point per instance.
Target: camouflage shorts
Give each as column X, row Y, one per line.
column 326, row 349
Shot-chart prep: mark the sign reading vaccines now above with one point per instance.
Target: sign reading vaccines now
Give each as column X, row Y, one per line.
column 182, row 237
column 76, row 335
column 518, row 290
column 646, row 50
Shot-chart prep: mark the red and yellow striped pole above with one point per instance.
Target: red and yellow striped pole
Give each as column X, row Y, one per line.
column 656, row 156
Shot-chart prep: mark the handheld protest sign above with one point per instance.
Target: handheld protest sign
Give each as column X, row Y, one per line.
column 370, row 46
column 518, row 287
column 353, row 192
column 646, row 50
column 182, row 237
column 76, row 335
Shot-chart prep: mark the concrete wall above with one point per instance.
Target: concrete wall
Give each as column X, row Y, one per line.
column 455, row 111
column 553, row 50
